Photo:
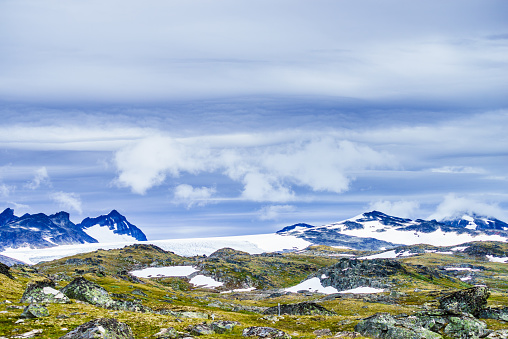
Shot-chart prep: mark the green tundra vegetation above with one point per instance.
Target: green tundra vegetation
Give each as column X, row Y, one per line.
column 414, row 284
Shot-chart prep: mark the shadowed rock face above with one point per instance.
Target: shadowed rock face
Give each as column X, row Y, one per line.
column 4, row 269
column 305, row 308
column 471, row 300
column 101, row 328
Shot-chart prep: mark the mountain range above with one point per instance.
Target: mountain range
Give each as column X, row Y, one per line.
column 40, row 230
column 376, row 230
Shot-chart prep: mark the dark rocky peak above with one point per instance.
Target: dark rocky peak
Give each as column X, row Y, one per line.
column 478, row 222
column 7, row 216
column 116, row 222
column 62, row 219
column 383, row 218
column 292, row 227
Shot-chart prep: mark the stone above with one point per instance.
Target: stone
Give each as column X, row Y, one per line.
column 471, row 300
column 223, row 326
column 264, row 332
column 34, row 311
column 305, row 308
column 499, row 334
column 139, row 292
column 85, row 290
column 347, row 334
column 101, row 328
column 167, row 333
column 322, row 332
column 386, row 326
column 43, row 291
column 465, row 328
column 494, row 313
column 29, row 334
column 201, row 329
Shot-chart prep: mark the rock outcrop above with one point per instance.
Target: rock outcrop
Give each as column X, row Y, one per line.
column 101, row 328
column 34, row 311
column 471, row 300
column 305, row 308
column 4, row 269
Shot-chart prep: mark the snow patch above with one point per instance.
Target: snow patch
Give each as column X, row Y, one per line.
column 240, row 290
column 105, row 234
column 312, row 285
column 497, row 259
column 459, row 248
column 204, row 281
column 388, row 255
column 462, row 269
column 363, row 290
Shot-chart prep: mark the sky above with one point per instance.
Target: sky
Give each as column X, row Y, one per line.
column 210, row 118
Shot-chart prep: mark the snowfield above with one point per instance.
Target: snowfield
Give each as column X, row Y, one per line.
column 253, row 244
column 106, row 235
column 170, row 271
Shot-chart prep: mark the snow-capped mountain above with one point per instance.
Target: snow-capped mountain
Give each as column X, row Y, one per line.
column 376, row 230
column 111, row 228
column 40, row 230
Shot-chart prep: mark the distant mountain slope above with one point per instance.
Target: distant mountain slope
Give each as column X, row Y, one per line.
column 376, row 230
column 41, row 231
column 113, row 226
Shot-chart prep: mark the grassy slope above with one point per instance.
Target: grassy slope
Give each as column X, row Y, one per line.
column 267, row 271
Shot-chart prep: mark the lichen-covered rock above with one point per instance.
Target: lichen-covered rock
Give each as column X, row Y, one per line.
column 499, row 334
column 167, row 333
column 386, row 326
column 201, row 329
column 264, row 332
column 305, row 308
column 101, row 328
column 34, row 311
column 471, row 300
column 494, row 313
column 85, row 290
column 223, row 326
column 43, row 291
column 465, row 328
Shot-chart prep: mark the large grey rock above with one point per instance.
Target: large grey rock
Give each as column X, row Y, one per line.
column 265, row 332
column 167, row 333
column 4, row 269
column 386, row 326
column 101, row 328
column 34, row 311
column 201, row 329
column 43, row 291
column 223, row 326
column 85, row 290
column 471, row 300
column 305, row 308
column 500, row 313
column 429, row 324
column 499, row 334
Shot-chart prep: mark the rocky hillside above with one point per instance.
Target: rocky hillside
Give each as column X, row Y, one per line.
column 423, row 292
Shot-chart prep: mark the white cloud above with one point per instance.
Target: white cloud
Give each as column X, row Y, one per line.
column 193, row 196
column 403, row 209
column 267, row 172
column 5, row 190
column 71, row 201
column 455, row 206
column 458, row 169
column 41, row 177
column 273, row 212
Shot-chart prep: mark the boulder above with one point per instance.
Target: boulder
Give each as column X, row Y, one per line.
column 85, row 290
column 305, row 308
column 223, row 326
column 471, row 300
column 264, row 332
column 426, row 324
column 500, row 313
column 43, row 291
column 167, row 333
column 101, row 328
column 499, row 334
column 386, row 326
column 34, row 311
column 201, row 329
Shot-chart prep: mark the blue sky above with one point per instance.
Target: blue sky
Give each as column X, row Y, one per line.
column 204, row 118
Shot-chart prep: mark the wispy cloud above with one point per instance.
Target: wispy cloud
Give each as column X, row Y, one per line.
column 193, row 196
column 5, row 190
column 458, row 169
column 41, row 178
column 273, row 212
column 71, row 201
